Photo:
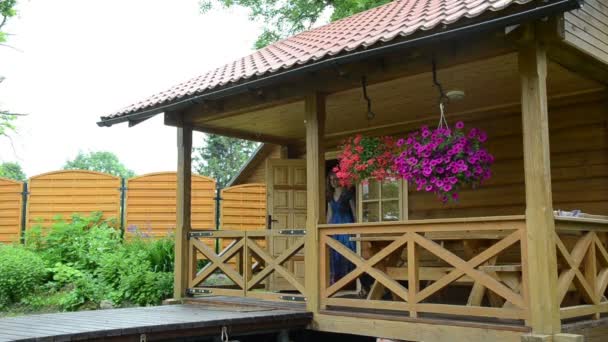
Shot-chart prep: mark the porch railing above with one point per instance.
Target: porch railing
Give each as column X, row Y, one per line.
column 461, row 267
column 247, row 261
column 414, row 264
column 582, row 266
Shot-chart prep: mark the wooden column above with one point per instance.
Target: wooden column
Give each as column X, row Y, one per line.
column 315, row 194
column 540, row 226
column 184, row 200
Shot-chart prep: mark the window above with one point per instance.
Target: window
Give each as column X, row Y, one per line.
column 382, row 201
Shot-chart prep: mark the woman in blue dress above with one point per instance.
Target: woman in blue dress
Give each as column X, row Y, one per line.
column 340, row 209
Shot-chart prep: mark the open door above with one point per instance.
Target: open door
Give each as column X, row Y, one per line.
column 286, row 182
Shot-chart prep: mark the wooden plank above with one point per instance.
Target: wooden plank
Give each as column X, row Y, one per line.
column 183, row 221
column 315, row 193
column 583, row 310
column 478, row 311
column 413, row 329
column 413, row 272
column 541, row 258
column 590, row 271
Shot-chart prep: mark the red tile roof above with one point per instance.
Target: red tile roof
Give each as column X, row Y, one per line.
column 381, row 24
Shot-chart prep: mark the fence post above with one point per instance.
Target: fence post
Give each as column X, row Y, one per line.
column 23, row 222
column 218, row 199
column 123, row 190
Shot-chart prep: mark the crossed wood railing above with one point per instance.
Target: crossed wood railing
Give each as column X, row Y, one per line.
column 247, row 262
column 582, row 267
column 412, row 263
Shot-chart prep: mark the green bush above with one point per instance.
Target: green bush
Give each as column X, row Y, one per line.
column 141, row 272
column 84, row 261
column 79, row 242
column 21, row 272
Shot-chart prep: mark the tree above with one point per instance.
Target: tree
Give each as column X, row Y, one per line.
column 222, row 157
column 285, row 18
column 99, row 161
column 12, row 171
column 7, row 10
column 7, row 119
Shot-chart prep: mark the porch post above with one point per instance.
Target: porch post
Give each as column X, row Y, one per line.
column 182, row 228
column 541, row 257
column 315, row 194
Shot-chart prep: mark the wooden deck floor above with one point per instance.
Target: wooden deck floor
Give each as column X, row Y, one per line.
column 151, row 323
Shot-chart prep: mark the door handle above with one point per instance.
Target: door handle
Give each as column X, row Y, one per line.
column 270, row 221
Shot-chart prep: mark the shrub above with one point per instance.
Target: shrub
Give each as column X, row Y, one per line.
column 140, row 273
column 88, row 262
column 79, row 242
column 22, row 272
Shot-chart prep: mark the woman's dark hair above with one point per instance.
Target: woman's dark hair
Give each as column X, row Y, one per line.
column 329, row 190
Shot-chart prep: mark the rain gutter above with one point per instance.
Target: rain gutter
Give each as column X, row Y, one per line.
column 545, row 10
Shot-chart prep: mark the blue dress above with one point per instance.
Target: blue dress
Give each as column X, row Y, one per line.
column 341, row 213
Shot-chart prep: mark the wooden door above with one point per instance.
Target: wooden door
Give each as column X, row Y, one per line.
column 286, row 182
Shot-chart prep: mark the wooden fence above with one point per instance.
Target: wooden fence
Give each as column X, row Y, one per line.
column 63, row 193
column 244, row 207
column 151, row 203
column 147, row 202
column 11, row 201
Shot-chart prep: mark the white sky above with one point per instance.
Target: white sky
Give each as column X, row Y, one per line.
column 80, row 59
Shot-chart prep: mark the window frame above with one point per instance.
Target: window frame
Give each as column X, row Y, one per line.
column 403, row 202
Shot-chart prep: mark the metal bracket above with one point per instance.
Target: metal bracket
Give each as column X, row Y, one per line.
column 192, row 291
column 292, row 232
column 201, row 234
column 293, row 298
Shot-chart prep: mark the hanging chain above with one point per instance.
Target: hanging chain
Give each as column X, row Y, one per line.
column 370, row 114
column 443, row 123
column 443, row 99
column 224, row 336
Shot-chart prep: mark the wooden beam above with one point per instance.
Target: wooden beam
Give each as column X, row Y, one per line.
column 184, row 200
column 414, row 329
column 315, row 195
column 235, row 133
column 540, row 227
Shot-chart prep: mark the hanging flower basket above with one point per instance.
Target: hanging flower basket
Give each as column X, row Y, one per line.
column 444, row 160
column 362, row 158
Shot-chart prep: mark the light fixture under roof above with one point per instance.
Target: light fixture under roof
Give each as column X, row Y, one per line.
column 455, row 95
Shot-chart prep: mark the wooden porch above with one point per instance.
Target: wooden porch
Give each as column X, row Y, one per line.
column 500, row 266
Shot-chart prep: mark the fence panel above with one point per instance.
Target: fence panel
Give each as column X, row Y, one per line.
column 11, row 202
column 151, row 203
column 244, row 207
column 63, row 193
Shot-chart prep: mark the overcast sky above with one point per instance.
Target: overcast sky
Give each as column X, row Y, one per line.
column 76, row 60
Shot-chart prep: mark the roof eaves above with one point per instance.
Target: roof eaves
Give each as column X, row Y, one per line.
column 231, row 88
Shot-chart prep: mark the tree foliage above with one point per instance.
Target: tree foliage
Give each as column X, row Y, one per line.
column 285, row 18
column 222, row 157
column 99, row 161
column 12, row 171
column 7, row 119
column 7, row 10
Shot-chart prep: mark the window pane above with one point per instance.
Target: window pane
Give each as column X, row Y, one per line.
column 390, row 210
column 390, row 189
column 370, row 190
column 371, row 211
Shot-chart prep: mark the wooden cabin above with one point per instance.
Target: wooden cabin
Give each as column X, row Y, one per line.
column 502, row 264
